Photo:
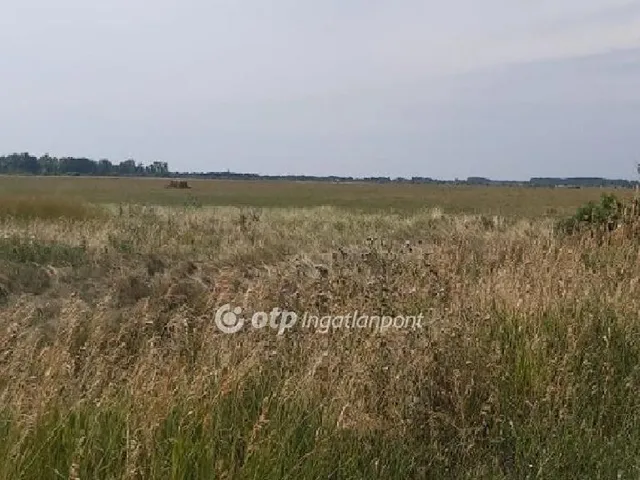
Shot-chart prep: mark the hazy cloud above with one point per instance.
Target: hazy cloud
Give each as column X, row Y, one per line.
column 496, row 88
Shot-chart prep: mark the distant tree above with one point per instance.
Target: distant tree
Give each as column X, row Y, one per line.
column 48, row 165
column 128, row 167
column 105, row 167
column 24, row 163
column 79, row 166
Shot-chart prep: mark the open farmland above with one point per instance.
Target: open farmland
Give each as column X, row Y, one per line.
column 508, row 201
column 112, row 366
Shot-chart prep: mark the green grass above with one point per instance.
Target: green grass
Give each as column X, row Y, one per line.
column 19, row 250
column 511, row 423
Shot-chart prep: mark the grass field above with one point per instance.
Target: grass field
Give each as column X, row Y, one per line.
column 112, row 366
column 361, row 196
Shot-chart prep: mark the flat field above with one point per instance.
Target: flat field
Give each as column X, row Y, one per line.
column 505, row 201
column 112, row 365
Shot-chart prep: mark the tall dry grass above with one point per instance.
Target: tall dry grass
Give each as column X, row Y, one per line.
column 111, row 365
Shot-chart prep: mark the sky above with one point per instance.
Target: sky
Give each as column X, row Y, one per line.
column 496, row 88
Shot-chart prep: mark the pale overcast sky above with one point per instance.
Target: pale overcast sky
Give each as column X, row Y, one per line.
column 497, row 88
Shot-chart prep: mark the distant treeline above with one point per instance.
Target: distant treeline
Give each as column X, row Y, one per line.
column 26, row 164
column 558, row 182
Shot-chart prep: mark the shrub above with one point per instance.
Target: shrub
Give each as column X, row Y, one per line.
column 607, row 214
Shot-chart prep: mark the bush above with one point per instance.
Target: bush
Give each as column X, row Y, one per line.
column 607, row 215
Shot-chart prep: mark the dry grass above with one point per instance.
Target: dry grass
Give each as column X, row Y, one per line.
column 505, row 201
column 113, row 368
column 52, row 207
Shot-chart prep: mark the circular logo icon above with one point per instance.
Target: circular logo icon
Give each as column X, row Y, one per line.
column 228, row 319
